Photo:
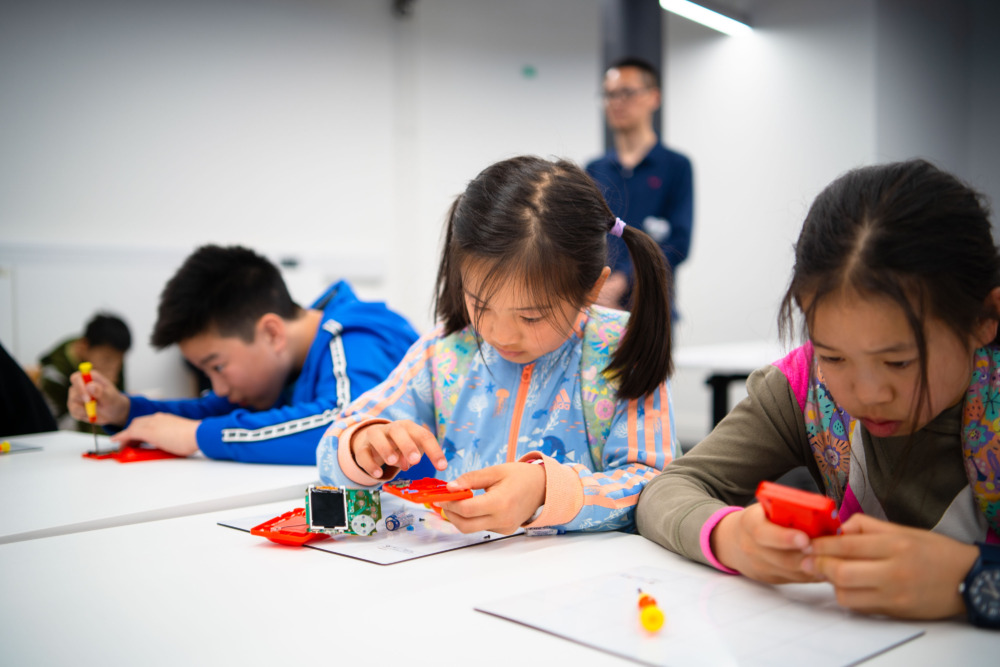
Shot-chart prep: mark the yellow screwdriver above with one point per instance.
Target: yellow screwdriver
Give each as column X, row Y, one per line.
column 91, row 404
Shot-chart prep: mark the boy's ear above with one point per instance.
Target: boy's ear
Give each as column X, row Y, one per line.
column 595, row 291
column 271, row 328
column 986, row 330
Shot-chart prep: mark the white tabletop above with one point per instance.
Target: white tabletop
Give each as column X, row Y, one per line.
column 187, row 591
column 735, row 357
column 56, row 491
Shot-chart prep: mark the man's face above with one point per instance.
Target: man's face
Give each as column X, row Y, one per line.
column 249, row 374
column 629, row 102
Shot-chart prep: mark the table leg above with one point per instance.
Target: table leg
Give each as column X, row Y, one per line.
column 719, row 382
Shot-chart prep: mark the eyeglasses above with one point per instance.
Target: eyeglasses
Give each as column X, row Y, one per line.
column 622, row 94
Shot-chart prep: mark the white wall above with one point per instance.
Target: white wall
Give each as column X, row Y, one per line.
column 331, row 132
column 335, row 133
column 480, row 82
column 923, row 82
column 134, row 131
column 819, row 88
column 939, row 87
column 149, row 123
column 983, row 138
column 768, row 120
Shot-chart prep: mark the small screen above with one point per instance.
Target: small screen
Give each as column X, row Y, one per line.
column 326, row 509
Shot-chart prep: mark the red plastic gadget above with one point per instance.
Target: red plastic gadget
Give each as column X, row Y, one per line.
column 289, row 528
column 131, row 454
column 813, row 514
column 426, row 490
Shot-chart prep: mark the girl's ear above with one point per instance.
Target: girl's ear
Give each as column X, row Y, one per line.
column 595, row 291
column 986, row 331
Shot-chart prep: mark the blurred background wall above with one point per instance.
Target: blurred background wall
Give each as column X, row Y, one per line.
column 332, row 135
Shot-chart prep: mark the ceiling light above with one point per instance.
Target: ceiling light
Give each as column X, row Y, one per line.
column 706, row 17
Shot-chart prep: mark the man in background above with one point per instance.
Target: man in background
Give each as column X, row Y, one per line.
column 645, row 184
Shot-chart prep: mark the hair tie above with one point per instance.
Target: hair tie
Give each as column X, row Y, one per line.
column 617, row 228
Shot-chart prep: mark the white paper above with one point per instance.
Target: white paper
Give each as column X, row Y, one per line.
column 431, row 535
column 711, row 619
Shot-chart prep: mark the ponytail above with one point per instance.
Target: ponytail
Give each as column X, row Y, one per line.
column 448, row 302
column 643, row 358
column 547, row 224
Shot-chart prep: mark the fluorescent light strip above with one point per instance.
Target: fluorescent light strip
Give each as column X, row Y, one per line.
column 706, row 17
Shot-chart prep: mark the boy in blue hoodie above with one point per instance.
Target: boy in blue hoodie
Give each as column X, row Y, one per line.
column 280, row 373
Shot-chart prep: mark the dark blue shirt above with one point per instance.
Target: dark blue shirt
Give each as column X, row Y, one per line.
column 657, row 196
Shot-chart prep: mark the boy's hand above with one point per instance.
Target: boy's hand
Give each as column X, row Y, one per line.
column 513, row 492
column 112, row 405
column 177, row 435
column 878, row 567
column 398, row 445
column 750, row 544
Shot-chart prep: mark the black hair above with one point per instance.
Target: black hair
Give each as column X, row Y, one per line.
column 110, row 330
column 650, row 74
column 225, row 290
column 905, row 231
column 546, row 224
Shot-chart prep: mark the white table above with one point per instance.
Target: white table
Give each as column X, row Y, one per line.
column 56, row 491
column 186, row 591
column 736, row 357
column 726, row 363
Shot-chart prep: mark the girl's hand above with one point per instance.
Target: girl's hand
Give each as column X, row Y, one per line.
column 112, row 405
column 884, row 568
column 397, row 445
column 747, row 542
column 513, row 492
column 171, row 433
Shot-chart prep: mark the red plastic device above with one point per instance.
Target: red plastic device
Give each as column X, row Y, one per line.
column 289, row 528
column 131, row 454
column 426, row 490
column 813, row 514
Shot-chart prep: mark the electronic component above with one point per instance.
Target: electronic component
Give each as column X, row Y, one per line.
column 337, row 510
column 426, row 490
column 398, row 520
column 813, row 514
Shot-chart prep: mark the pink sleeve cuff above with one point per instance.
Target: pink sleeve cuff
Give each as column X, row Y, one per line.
column 706, row 534
column 563, row 492
column 346, row 460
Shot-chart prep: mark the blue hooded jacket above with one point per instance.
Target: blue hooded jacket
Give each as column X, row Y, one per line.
column 357, row 345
